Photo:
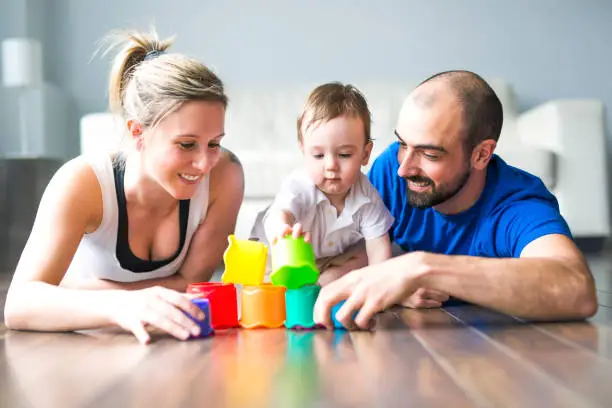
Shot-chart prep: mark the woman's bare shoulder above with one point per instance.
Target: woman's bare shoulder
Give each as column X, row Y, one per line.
column 227, row 173
column 75, row 187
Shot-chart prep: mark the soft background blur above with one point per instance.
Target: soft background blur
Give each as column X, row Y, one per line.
column 546, row 49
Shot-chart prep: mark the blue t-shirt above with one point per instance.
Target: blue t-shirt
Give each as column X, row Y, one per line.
column 514, row 209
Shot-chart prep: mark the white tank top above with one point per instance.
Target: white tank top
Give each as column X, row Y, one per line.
column 96, row 255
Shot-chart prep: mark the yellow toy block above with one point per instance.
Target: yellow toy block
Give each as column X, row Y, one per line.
column 245, row 262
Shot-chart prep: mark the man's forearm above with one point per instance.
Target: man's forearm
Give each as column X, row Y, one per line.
column 536, row 288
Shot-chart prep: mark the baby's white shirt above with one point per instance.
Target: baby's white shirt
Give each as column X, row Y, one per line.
column 364, row 214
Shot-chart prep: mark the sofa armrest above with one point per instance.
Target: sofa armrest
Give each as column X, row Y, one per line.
column 575, row 131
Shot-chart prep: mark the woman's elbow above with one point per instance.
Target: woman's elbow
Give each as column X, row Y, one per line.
column 18, row 311
column 13, row 319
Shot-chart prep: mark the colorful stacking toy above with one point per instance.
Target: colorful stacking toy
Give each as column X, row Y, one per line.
column 262, row 306
column 337, row 324
column 299, row 306
column 289, row 300
column 245, row 262
column 295, row 268
column 223, row 300
column 293, row 263
column 205, row 326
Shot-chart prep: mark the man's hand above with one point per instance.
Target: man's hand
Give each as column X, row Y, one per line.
column 370, row 290
column 425, row 299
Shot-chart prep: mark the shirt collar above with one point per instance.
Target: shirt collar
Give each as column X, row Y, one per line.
column 355, row 199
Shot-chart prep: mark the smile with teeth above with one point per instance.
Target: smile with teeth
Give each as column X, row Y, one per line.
column 418, row 185
column 188, row 177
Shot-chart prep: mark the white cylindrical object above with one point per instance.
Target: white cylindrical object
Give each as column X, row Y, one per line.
column 21, row 62
column 101, row 132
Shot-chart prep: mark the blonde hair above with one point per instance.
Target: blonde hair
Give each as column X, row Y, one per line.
column 331, row 100
column 147, row 84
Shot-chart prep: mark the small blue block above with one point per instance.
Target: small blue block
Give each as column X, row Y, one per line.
column 337, row 324
column 205, row 327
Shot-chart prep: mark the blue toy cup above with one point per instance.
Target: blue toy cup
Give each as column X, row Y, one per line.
column 205, row 326
column 337, row 324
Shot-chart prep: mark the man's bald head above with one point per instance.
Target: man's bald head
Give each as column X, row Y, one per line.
column 481, row 109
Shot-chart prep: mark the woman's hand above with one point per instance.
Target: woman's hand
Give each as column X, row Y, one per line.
column 159, row 307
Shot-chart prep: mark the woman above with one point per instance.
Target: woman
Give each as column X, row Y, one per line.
column 118, row 237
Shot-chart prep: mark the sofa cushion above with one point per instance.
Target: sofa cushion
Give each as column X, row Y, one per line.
column 264, row 170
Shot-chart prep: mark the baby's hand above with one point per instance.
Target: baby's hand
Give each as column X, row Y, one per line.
column 296, row 231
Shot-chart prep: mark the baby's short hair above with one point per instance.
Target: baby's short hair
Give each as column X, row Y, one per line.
column 331, row 100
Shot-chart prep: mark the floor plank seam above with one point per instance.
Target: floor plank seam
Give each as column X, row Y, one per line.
column 528, row 365
column 154, row 353
column 567, row 342
column 474, row 395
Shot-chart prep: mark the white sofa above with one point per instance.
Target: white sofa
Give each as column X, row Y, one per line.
column 563, row 142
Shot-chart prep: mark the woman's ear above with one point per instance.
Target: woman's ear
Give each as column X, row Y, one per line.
column 135, row 130
column 482, row 153
column 367, row 151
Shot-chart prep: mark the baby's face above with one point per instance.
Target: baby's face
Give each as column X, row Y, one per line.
column 334, row 152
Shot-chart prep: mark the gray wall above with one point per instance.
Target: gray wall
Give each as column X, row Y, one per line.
column 545, row 48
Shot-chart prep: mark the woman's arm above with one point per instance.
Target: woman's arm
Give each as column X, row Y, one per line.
column 70, row 207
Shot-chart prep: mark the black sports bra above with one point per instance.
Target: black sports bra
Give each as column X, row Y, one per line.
column 125, row 256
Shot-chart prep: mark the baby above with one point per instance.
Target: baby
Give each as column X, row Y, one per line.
column 330, row 201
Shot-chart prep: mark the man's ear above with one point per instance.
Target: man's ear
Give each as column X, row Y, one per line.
column 367, row 151
column 482, row 154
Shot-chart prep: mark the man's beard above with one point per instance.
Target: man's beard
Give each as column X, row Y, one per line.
column 439, row 193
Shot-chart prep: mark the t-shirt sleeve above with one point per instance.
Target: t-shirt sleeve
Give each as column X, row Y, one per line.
column 382, row 176
column 375, row 219
column 382, row 171
column 525, row 221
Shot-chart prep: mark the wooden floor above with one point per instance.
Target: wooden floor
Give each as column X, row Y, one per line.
column 461, row 356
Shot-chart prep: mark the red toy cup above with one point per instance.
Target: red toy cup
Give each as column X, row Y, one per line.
column 223, row 302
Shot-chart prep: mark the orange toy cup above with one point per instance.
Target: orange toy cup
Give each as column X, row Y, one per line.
column 223, row 302
column 262, row 306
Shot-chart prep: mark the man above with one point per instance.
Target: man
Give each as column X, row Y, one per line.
column 474, row 227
